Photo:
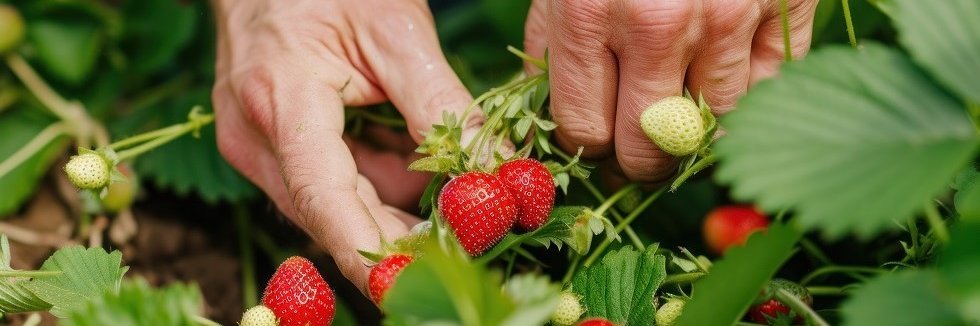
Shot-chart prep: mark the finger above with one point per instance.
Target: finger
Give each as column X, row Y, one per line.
column 246, row 150
column 292, row 103
column 768, row 49
column 720, row 69
column 392, row 226
column 653, row 51
column 583, row 76
column 535, row 33
column 388, row 172
column 402, row 49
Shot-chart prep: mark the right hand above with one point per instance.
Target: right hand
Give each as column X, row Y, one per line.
column 279, row 98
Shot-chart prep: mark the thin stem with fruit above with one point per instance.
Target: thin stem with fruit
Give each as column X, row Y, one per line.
column 825, row 290
column 35, row 145
column 800, row 307
column 48, row 97
column 684, row 278
column 936, row 222
column 629, row 219
column 246, row 252
column 572, row 266
column 784, row 19
column 203, row 321
column 853, row 271
column 701, row 164
column 850, row 24
column 189, row 126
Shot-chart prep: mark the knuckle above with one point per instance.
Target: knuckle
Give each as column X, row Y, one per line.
column 724, row 17
column 667, row 19
column 580, row 22
column 642, row 163
column 255, row 89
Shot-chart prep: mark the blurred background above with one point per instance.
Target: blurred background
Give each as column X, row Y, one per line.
column 138, row 65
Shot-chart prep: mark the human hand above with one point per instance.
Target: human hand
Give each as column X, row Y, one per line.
column 285, row 70
column 610, row 59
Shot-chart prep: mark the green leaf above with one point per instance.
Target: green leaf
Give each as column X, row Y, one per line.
column 13, row 296
column 536, row 298
column 86, row 274
column 967, row 197
column 905, row 298
column 156, row 31
column 68, row 46
column 870, row 134
column 443, row 287
column 190, row 165
column 723, row 296
column 139, row 304
column 942, row 36
column 19, row 126
column 621, row 287
column 959, row 266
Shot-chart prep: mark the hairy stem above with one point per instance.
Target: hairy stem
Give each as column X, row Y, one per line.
column 35, row 145
column 622, row 224
column 936, row 222
column 800, row 307
column 246, row 254
column 850, row 24
column 784, row 18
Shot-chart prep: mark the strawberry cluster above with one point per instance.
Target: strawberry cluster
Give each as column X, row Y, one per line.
column 481, row 208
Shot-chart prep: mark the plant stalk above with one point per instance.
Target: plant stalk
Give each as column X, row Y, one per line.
column 800, row 307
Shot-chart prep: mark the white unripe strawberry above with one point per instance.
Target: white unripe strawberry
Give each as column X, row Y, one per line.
column 675, row 125
column 259, row 316
column 88, row 171
column 569, row 310
column 667, row 313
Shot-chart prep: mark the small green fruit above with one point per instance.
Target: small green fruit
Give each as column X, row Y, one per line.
column 569, row 309
column 259, row 316
column 668, row 312
column 88, row 171
column 11, row 28
column 674, row 124
column 121, row 194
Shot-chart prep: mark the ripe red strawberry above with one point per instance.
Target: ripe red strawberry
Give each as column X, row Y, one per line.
column 384, row 273
column 596, row 321
column 773, row 308
column 731, row 225
column 299, row 295
column 479, row 209
column 533, row 188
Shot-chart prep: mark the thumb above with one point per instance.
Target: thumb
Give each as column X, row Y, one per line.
column 402, row 50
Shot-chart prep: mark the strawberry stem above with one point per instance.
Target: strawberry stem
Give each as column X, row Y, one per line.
column 684, row 278
column 154, row 139
column 936, row 222
column 826, row 290
column 853, row 271
column 625, row 222
column 200, row 320
column 244, row 228
column 800, row 307
column 850, row 24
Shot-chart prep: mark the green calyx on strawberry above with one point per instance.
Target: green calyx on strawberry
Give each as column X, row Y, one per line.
column 768, row 307
column 678, row 125
column 298, row 295
column 384, row 274
column 479, row 209
column 258, row 316
column 569, row 309
column 731, row 225
column 596, row 321
column 11, row 28
column 533, row 188
column 668, row 312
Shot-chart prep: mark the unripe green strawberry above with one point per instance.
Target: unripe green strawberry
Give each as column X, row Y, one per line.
column 259, row 316
column 11, row 28
column 88, row 171
column 568, row 311
column 675, row 125
column 668, row 312
column 120, row 195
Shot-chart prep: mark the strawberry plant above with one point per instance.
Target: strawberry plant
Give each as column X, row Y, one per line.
column 842, row 191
